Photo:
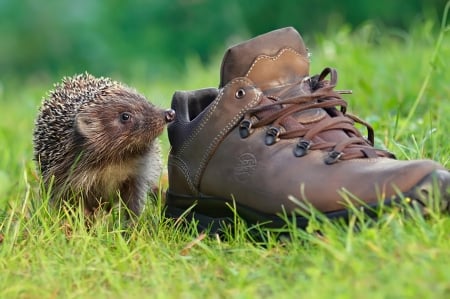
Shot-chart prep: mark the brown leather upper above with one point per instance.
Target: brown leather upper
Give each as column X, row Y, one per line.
column 222, row 145
column 239, row 59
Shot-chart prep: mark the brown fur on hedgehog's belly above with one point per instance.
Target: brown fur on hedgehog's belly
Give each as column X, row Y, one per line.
column 103, row 185
column 106, row 178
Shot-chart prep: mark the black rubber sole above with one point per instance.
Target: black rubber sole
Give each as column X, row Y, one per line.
column 212, row 214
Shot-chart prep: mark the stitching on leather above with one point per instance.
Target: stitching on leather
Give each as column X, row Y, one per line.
column 179, row 163
column 202, row 124
column 220, row 135
column 273, row 58
column 199, row 128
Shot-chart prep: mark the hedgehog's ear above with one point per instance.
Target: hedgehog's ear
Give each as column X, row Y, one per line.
column 85, row 124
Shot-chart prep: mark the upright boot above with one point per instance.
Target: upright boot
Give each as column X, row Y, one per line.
column 272, row 136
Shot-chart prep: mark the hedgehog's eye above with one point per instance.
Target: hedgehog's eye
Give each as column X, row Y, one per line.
column 125, row 117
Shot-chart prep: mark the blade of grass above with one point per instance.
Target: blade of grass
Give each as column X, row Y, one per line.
column 443, row 30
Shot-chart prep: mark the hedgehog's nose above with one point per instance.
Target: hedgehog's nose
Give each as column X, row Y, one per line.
column 169, row 115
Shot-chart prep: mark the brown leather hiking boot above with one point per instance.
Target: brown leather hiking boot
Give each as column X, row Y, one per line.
column 272, row 133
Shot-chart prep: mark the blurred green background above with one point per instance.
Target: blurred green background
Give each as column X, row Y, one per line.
column 155, row 38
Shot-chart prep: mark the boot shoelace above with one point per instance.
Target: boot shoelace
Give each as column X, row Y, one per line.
column 311, row 93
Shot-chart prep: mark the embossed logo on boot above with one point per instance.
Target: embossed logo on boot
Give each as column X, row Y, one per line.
column 245, row 167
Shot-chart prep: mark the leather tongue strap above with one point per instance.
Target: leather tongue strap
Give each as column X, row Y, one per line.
column 274, row 72
column 274, row 58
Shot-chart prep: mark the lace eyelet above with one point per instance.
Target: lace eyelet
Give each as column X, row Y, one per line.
column 333, row 156
column 302, row 148
column 272, row 135
column 240, row 93
column 245, row 128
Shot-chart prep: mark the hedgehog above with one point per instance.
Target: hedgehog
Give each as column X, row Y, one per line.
column 96, row 142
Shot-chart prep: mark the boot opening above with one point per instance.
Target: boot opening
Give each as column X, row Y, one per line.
column 197, row 104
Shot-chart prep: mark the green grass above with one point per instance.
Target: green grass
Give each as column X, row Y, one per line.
column 46, row 255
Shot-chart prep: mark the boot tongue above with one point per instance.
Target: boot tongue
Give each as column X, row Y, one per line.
column 273, row 61
column 270, row 60
column 276, row 62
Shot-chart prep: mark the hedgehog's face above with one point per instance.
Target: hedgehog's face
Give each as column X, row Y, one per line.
column 120, row 126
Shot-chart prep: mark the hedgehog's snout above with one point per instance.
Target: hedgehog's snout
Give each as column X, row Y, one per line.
column 169, row 115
